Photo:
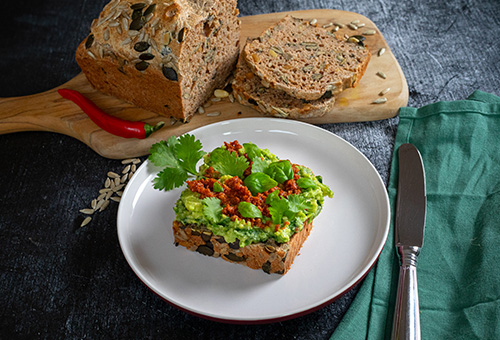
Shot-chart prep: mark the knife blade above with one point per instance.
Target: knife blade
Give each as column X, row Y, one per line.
column 409, row 238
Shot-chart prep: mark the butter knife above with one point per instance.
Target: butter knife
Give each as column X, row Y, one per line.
column 409, row 238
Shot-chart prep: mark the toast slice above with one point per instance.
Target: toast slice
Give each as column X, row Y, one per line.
column 269, row 256
column 305, row 61
column 249, row 91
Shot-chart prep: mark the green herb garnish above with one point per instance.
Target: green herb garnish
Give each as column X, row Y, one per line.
column 178, row 157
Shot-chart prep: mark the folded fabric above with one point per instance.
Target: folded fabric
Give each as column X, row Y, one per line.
column 458, row 268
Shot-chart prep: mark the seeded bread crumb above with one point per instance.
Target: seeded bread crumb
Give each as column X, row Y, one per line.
column 249, row 91
column 305, row 61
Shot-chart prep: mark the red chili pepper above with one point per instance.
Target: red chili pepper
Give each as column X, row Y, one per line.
column 111, row 124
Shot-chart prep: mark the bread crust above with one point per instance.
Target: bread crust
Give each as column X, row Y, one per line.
column 305, row 61
column 171, row 62
column 271, row 257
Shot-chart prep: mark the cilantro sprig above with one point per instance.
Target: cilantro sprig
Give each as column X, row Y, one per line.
column 228, row 163
column 178, row 157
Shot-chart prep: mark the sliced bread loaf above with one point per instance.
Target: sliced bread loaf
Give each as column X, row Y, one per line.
column 305, row 61
column 249, row 91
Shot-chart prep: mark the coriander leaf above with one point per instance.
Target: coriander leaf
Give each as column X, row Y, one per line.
column 163, row 154
column 212, row 209
column 272, row 196
column 249, row 210
column 298, row 203
column 259, row 165
column 188, row 151
column 170, row 178
column 277, row 209
column 228, row 163
column 259, row 182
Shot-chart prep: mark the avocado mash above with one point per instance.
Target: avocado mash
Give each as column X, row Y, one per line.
column 245, row 193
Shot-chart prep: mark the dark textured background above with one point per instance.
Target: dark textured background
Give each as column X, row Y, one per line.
column 61, row 281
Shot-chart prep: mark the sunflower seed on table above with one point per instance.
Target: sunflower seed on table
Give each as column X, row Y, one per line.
column 384, row 91
column 124, row 178
column 369, row 32
column 99, row 204
column 108, row 195
column 107, row 183
column 133, row 168
column 86, row 221
column 93, row 203
column 128, row 161
column 113, row 175
column 116, row 199
column 87, row 211
column 313, row 21
column 100, row 198
column 381, row 75
column 118, row 187
column 126, row 169
column 379, row 101
column 104, row 205
column 213, row 114
column 104, row 190
column 381, row 51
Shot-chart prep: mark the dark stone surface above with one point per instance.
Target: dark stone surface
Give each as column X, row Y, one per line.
column 61, row 281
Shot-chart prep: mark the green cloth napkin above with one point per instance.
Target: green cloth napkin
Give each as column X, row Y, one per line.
column 458, row 270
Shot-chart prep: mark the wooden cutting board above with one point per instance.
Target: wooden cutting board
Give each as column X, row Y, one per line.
column 47, row 111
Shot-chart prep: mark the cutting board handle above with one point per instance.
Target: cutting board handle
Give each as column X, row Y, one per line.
column 29, row 113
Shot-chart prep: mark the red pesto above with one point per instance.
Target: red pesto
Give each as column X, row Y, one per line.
column 234, row 191
column 114, row 125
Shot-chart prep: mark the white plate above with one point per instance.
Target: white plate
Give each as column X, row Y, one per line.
column 346, row 240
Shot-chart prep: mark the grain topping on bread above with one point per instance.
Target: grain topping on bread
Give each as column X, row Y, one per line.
column 164, row 56
column 243, row 204
column 305, row 61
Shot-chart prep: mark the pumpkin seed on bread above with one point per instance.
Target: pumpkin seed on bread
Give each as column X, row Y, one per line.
column 305, row 61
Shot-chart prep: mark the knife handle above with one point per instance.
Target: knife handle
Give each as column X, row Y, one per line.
column 406, row 324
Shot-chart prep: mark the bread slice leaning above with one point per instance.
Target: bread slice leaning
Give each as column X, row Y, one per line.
column 270, row 256
column 305, row 61
column 249, row 91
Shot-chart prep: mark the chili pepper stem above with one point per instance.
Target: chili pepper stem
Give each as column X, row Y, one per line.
column 150, row 129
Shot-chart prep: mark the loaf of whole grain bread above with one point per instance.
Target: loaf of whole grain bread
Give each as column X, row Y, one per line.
column 305, row 61
column 164, row 56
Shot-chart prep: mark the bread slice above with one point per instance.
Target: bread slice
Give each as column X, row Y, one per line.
column 305, row 61
column 249, row 91
column 163, row 56
column 270, row 256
